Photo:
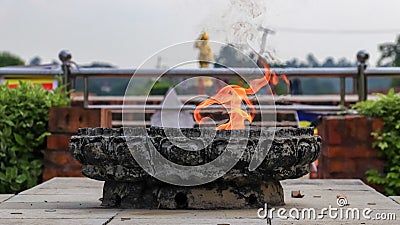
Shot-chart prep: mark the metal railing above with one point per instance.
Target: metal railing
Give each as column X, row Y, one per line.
column 69, row 74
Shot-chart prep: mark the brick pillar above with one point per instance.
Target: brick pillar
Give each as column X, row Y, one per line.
column 347, row 147
column 63, row 123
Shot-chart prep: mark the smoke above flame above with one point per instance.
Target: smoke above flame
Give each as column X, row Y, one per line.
column 237, row 22
column 234, row 97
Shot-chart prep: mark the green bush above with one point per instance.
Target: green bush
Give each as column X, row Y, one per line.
column 23, row 130
column 387, row 139
column 160, row 88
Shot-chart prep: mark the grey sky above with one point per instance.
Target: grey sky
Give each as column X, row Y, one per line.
column 125, row 33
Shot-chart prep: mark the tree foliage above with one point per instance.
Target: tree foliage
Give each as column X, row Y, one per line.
column 229, row 56
column 312, row 62
column 390, row 53
column 8, row 59
column 390, row 57
column 35, row 61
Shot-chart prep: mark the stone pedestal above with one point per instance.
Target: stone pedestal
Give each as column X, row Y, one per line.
column 218, row 194
column 105, row 155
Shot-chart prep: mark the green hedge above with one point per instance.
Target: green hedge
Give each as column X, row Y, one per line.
column 387, row 107
column 23, row 130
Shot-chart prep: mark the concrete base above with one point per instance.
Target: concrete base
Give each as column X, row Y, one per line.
column 215, row 195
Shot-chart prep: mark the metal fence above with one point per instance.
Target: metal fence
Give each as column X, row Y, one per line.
column 69, row 74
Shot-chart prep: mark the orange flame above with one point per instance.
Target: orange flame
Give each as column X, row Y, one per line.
column 232, row 97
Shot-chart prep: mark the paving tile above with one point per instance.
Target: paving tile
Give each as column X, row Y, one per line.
column 58, row 213
column 344, row 216
column 199, row 214
column 395, row 198
column 323, row 198
column 67, row 183
column 54, row 221
column 129, row 216
column 63, row 191
column 327, row 184
column 76, row 201
column 50, row 205
column 248, row 216
column 4, row 197
column 53, row 201
column 192, row 221
column 246, row 222
column 339, row 222
column 56, row 198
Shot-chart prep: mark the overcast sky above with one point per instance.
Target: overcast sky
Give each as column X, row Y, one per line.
column 126, row 32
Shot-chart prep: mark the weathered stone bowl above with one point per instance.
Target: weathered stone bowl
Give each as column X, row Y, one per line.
column 105, row 155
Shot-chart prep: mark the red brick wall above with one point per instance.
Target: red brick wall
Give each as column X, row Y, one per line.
column 63, row 123
column 346, row 147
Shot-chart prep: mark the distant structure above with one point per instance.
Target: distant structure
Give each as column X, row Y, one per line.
column 48, row 82
column 266, row 32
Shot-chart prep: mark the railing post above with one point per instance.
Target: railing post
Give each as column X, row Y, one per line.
column 85, row 91
column 355, row 84
column 362, row 57
column 65, row 57
column 342, row 90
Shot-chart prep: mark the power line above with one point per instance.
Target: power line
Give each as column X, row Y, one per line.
column 335, row 31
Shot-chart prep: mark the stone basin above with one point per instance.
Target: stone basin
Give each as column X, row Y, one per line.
column 107, row 154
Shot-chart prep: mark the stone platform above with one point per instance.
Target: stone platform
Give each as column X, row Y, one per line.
column 76, row 201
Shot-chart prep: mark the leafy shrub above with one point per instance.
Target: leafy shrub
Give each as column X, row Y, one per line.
column 387, row 139
column 160, row 88
column 23, row 129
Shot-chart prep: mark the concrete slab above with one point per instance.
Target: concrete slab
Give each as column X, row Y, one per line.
column 4, row 197
column 58, row 213
column 59, row 193
column 324, row 198
column 247, row 216
column 326, row 184
column 63, row 191
column 395, row 198
column 189, row 221
column 53, row 221
column 70, row 183
column 247, row 222
column 339, row 222
column 223, row 217
column 57, row 198
column 76, row 201
column 50, row 205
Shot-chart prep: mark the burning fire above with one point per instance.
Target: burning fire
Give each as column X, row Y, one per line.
column 232, row 97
